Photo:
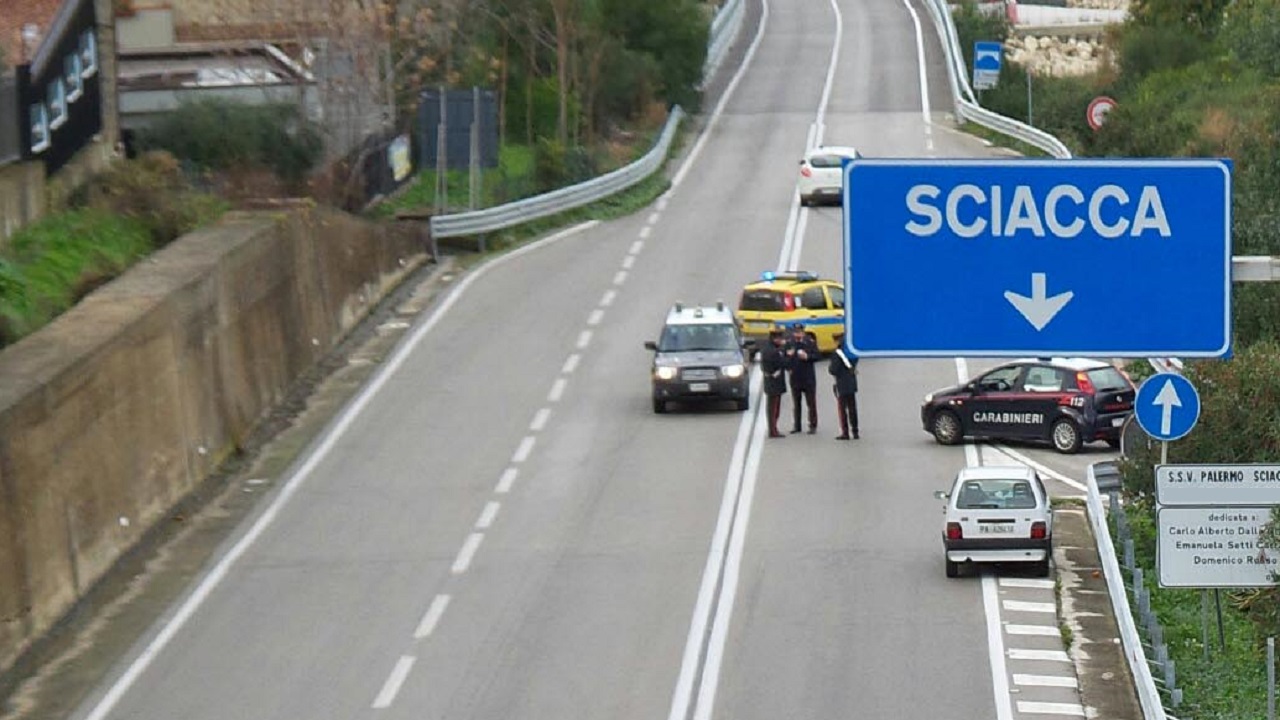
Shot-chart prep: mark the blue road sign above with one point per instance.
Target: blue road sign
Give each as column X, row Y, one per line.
column 986, row 64
column 1167, row 406
column 1010, row 258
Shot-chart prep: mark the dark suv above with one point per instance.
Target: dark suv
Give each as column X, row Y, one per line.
column 700, row 356
column 1065, row 402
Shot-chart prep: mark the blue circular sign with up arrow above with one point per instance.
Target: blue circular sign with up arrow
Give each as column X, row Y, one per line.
column 1167, row 406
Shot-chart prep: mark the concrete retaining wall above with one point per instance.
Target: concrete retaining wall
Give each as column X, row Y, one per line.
column 125, row 404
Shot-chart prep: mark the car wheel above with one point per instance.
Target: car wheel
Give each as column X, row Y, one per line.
column 1066, row 437
column 946, row 428
column 1042, row 568
column 805, row 201
column 659, row 406
column 744, row 405
column 953, row 569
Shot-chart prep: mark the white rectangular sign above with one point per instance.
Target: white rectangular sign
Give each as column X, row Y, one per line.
column 1213, row 548
column 1218, row 485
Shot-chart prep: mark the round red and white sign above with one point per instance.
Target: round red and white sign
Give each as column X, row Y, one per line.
column 1098, row 109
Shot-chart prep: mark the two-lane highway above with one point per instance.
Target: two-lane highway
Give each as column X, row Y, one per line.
column 499, row 526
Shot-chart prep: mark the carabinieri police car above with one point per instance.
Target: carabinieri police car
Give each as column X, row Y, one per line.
column 1065, row 402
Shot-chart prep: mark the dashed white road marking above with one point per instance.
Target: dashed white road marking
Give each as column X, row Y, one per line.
column 595, row 317
column 1045, row 630
column 662, row 202
column 465, row 555
column 432, row 618
column 584, row 339
column 1045, row 708
column 557, row 390
column 487, row 515
column 571, row 363
column 1026, row 583
column 391, row 687
column 620, row 277
column 609, row 296
column 540, row 419
column 1033, row 607
column 506, row 481
column 653, row 218
column 1044, row 680
column 628, row 261
column 1051, row 655
column 525, row 447
column 644, row 233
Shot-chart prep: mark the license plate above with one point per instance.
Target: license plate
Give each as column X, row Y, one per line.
column 1117, row 422
column 994, row 529
column 699, row 387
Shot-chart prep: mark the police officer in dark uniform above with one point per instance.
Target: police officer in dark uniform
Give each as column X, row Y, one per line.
column 773, row 363
column 802, row 353
column 844, row 368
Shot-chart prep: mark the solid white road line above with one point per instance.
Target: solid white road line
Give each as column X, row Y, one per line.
column 924, row 77
column 689, row 665
column 392, row 686
column 1032, row 607
column 432, row 618
column 571, row 363
column 506, row 481
column 540, row 419
column 609, row 296
column 703, row 606
column 1044, row 681
column 1050, row 655
column 595, row 317
column 619, row 277
column 467, row 553
column 995, row 647
column 557, row 390
column 340, row 424
column 525, row 447
column 1046, row 708
column 1038, row 583
column 732, row 572
column 487, row 515
column 584, row 339
column 1045, row 630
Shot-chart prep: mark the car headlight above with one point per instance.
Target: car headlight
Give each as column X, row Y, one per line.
column 928, row 398
column 665, row 373
column 733, row 371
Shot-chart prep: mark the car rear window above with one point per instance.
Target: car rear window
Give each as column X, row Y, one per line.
column 826, row 161
column 762, row 301
column 1108, row 378
column 996, row 494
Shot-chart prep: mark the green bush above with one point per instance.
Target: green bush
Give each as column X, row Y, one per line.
column 1143, row 49
column 153, row 190
column 224, row 135
column 51, row 264
column 1251, row 28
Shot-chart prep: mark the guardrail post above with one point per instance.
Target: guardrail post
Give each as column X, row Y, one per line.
column 1175, row 697
column 1128, row 554
column 1170, row 675
column 1157, row 634
column 1271, row 678
column 1137, row 584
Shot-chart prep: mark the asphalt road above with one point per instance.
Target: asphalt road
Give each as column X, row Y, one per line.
column 502, row 528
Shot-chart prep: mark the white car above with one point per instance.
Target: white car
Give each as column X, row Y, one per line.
column 997, row 514
column 821, row 174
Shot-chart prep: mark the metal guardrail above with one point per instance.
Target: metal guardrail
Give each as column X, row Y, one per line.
column 967, row 107
column 724, row 28
column 478, row 222
column 1134, row 652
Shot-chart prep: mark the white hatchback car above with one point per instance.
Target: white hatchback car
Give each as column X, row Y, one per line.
column 997, row 514
column 821, row 174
